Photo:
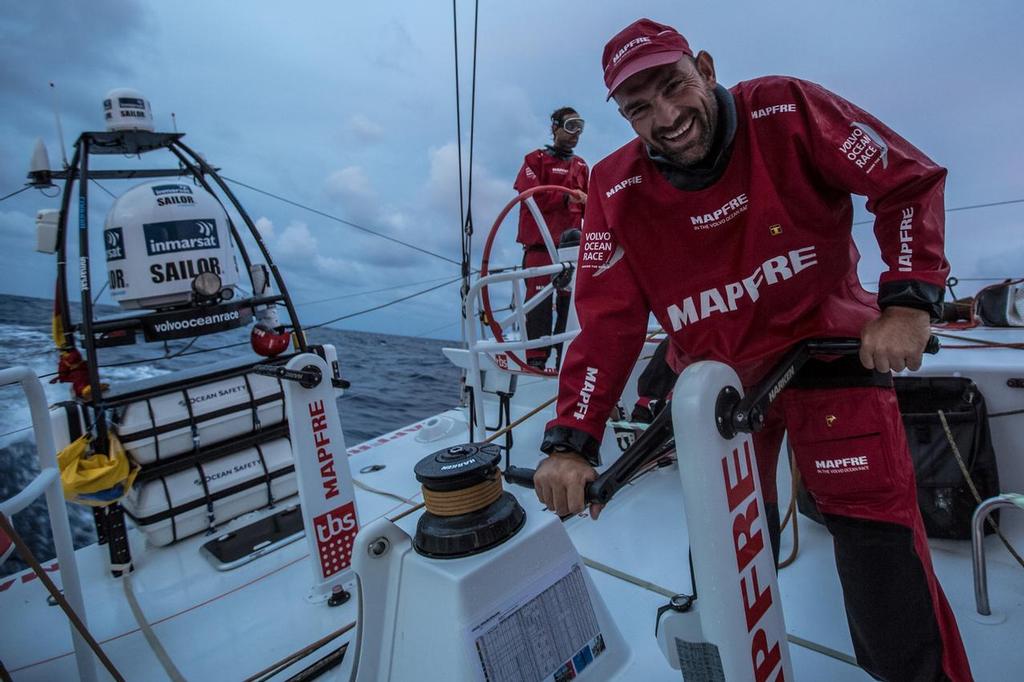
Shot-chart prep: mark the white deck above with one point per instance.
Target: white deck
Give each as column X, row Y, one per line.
column 228, row 625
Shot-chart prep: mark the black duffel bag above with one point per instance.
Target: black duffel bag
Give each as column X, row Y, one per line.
column 944, row 497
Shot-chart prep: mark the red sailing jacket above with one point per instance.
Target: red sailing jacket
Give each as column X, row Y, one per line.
column 544, row 167
column 763, row 257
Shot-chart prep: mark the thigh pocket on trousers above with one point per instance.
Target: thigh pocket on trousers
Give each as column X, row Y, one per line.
column 841, row 447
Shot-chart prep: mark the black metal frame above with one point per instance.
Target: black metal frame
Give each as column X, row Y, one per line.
column 139, row 142
column 191, row 165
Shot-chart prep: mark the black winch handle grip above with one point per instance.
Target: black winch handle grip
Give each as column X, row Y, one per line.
column 524, row 476
column 519, row 476
column 852, row 346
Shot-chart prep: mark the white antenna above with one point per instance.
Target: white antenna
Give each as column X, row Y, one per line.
column 60, row 130
column 174, row 122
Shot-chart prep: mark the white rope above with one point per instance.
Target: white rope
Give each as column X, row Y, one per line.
column 377, row 491
column 147, row 631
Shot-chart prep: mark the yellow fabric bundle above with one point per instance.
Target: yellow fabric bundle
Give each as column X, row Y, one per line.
column 97, row 479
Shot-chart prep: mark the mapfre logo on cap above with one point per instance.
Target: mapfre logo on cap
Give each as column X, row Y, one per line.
column 636, row 42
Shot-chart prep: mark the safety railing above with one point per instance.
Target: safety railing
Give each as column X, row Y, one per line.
column 981, row 513
column 478, row 346
column 48, row 483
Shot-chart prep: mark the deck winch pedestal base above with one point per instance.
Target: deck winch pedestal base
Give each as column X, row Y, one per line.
column 482, row 584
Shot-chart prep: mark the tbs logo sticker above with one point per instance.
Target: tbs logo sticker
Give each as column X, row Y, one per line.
column 114, row 241
column 335, row 532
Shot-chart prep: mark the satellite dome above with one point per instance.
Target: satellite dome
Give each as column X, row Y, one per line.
column 126, row 109
column 159, row 237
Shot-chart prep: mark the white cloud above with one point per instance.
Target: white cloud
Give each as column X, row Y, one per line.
column 265, row 226
column 296, row 241
column 394, row 218
column 307, row 257
column 17, row 224
column 442, row 186
column 365, row 129
column 443, row 178
column 348, row 184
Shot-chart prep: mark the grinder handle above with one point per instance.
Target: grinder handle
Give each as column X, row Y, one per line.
column 524, row 476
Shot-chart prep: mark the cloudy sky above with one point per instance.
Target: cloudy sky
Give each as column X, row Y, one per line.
column 349, row 107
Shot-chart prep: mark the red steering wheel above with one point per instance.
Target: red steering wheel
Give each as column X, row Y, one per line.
column 486, row 260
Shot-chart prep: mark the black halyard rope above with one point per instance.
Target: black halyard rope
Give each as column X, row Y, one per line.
column 467, row 228
column 458, row 121
column 465, row 201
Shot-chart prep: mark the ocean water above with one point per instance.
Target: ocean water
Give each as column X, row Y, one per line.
column 396, row 380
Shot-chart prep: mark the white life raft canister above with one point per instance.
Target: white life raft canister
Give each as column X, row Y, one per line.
column 158, row 237
column 207, row 495
column 126, row 109
column 178, row 422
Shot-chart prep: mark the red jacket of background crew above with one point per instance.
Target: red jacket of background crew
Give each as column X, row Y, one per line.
column 542, row 167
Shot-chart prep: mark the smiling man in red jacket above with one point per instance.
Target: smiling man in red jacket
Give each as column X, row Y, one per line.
column 729, row 218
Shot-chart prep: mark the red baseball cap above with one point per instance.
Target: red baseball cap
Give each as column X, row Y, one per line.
column 641, row 45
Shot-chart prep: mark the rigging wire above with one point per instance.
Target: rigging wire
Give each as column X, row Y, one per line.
column 11, row 433
column 384, row 305
column 371, row 291
column 467, row 228
column 465, row 203
column 960, row 208
column 184, row 352
column 97, row 183
column 458, row 121
column 436, row 329
column 102, row 289
column 15, row 193
column 339, row 220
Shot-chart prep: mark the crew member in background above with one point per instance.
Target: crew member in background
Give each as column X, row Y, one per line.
column 729, row 217
column 555, row 164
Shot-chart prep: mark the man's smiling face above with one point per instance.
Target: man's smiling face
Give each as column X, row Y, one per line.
column 673, row 108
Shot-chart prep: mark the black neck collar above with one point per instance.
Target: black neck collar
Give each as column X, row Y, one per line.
column 559, row 153
column 707, row 172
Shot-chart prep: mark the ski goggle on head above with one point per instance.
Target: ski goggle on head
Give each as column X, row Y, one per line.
column 573, row 125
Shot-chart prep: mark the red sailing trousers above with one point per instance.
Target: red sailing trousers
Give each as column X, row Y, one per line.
column 852, row 454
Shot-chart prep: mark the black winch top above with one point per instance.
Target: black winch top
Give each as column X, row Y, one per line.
column 466, row 510
column 458, row 467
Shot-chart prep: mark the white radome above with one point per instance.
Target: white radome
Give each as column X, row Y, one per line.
column 158, row 236
column 127, row 109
